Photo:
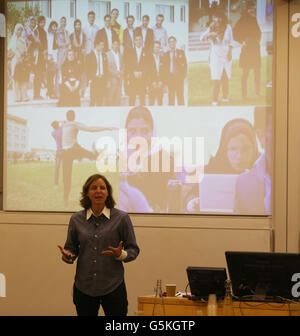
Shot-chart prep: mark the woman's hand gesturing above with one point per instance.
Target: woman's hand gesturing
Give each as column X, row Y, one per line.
column 66, row 254
column 113, row 251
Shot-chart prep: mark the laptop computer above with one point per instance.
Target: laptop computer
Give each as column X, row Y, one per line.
column 217, row 193
column 206, row 280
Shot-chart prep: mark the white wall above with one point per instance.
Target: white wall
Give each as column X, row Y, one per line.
column 39, row 283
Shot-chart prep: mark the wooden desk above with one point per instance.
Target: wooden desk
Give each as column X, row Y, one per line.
column 178, row 306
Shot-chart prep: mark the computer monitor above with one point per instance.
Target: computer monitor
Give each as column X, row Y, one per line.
column 262, row 276
column 206, row 280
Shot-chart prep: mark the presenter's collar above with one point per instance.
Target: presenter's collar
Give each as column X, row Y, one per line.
column 105, row 212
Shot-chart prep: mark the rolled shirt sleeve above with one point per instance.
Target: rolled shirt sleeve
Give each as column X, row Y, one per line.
column 129, row 240
column 71, row 244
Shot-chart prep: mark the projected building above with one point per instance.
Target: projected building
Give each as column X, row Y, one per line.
column 17, row 137
column 175, row 12
column 42, row 154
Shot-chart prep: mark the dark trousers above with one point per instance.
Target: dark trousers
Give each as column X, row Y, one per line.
column 224, row 83
column 67, row 97
column 245, row 76
column 68, row 156
column 156, row 94
column 39, row 76
column 176, row 89
column 98, row 91
column 137, row 88
column 113, row 304
column 52, row 81
column 114, row 92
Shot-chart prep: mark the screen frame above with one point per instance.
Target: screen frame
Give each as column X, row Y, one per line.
column 4, row 149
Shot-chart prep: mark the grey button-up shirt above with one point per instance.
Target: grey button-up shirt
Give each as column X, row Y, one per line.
column 88, row 236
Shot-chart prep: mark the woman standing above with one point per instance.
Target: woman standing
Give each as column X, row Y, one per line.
column 220, row 60
column 17, row 50
column 96, row 236
column 52, row 68
column 32, row 43
column 78, row 43
column 62, row 42
column 32, row 40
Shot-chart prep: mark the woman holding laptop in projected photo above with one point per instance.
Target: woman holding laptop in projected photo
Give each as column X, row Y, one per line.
column 102, row 238
column 237, row 152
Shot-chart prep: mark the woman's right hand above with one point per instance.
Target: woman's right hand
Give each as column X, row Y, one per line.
column 66, row 254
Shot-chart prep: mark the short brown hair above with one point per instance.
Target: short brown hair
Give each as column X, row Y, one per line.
column 85, row 202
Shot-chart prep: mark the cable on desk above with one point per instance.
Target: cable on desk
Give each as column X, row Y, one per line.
column 252, row 304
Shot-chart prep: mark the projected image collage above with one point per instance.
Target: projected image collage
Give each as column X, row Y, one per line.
column 172, row 102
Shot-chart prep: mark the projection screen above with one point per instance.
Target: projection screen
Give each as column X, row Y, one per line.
column 170, row 100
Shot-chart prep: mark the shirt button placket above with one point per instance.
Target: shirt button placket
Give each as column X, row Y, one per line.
column 94, row 261
column 95, row 257
column 96, row 240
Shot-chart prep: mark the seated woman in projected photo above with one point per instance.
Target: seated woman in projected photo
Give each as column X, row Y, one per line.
column 237, row 152
column 149, row 188
column 70, row 87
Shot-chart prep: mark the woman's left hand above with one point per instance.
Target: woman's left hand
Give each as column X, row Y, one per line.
column 113, row 251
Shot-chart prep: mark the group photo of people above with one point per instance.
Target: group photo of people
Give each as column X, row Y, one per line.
column 97, row 62
column 231, row 61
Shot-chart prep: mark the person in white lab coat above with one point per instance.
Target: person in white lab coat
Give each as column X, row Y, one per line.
column 220, row 59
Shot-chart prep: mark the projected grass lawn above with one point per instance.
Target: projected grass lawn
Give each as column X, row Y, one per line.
column 30, row 186
column 200, row 85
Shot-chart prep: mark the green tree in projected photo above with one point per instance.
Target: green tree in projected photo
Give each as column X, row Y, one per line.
column 20, row 15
